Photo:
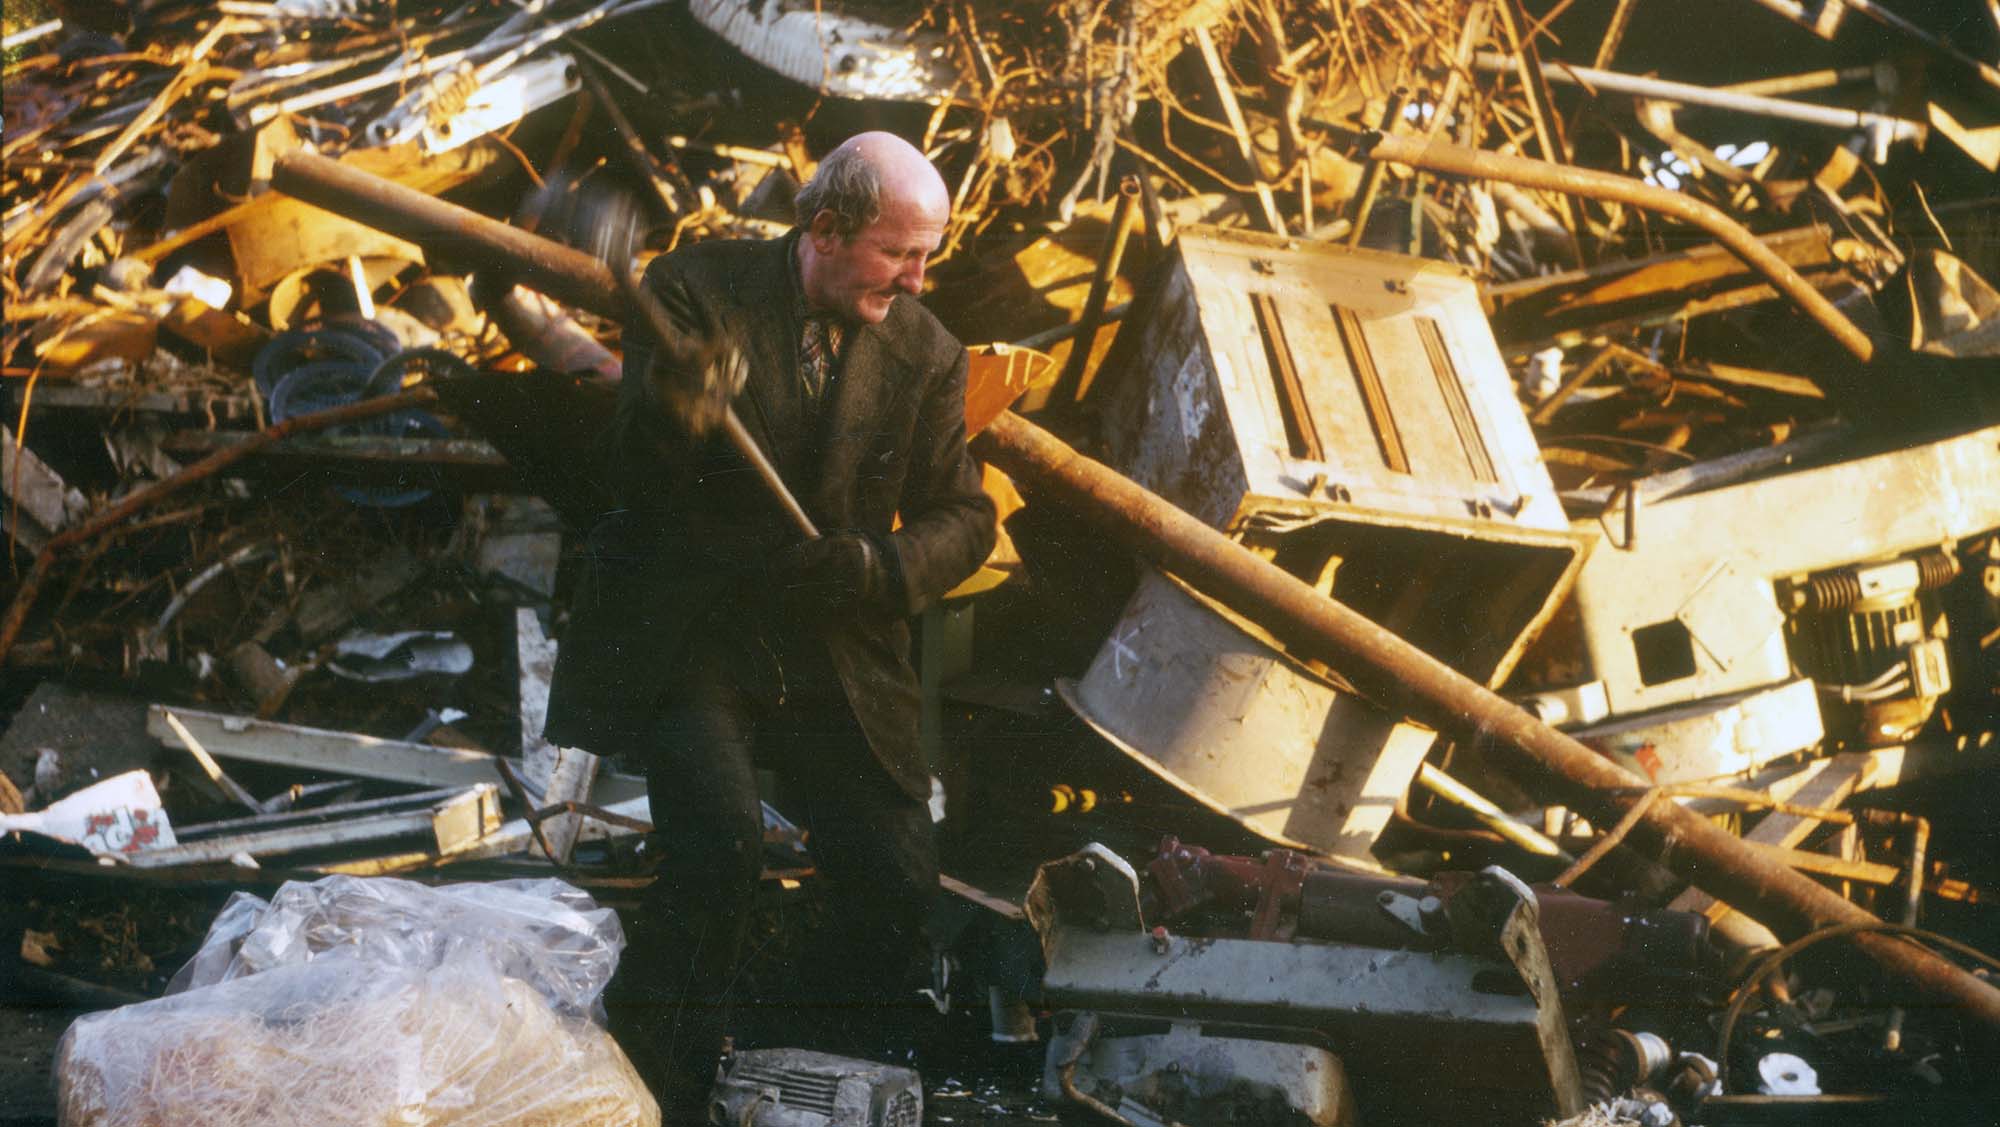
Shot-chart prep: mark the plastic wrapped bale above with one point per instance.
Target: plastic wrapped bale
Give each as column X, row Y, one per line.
column 344, row 1042
column 351, row 1001
column 546, row 933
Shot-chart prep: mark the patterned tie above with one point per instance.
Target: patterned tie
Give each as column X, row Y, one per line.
column 819, row 346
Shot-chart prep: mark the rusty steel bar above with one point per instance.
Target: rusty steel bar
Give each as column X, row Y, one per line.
column 1614, row 35
column 570, row 276
column 1913, row 903
column 1371, row 181
column 1478, row 164
column 1733, row 100
column 1405, row 680
column 1069, row 385
column 1549, row 133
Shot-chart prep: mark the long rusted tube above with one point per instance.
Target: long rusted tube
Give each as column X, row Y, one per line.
column 1400, row 677
column 569, row 276
column 1405, row 680
column 1478, row 164
column 1112, row 253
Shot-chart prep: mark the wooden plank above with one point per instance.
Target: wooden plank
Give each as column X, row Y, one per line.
column 1831, row 785
column 451, row 824
column 1870, row 872
column 1630, row 291
column 1233, row 113
column 995, row 904
column 1757, row 378
column 209, row 766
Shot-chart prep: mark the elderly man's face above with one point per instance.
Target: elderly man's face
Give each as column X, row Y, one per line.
column 856, row 278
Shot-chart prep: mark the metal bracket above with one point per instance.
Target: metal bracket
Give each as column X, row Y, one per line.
column 1497, row 909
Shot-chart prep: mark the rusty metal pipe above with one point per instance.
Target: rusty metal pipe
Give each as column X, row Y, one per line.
column 569, row 276
column 1069, row 385
column 1913, row 903
column 1371, row 182
column 1734, row 101
column 1478, row 164
column 1405, row 680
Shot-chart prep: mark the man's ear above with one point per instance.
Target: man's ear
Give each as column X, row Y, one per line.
column 824, row 230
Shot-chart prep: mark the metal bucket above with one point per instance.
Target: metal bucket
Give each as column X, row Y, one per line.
column 1201, row 698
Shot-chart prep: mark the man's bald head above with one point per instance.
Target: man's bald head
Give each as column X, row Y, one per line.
column 865, row 173
column 871, row 216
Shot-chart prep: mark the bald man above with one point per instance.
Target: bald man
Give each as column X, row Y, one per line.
column 707, row 638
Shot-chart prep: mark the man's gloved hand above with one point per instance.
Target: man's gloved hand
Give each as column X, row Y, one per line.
column 697, row 393
column 696, row 366
column 834, row 573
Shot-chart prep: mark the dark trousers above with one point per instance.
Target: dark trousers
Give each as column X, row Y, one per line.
column 871, row 843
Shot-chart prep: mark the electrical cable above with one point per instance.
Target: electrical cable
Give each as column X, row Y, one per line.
column 1776, row 959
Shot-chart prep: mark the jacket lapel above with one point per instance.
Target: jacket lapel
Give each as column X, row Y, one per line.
column 870, row 381
column 776, row 412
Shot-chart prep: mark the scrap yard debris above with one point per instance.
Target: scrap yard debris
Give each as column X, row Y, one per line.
column 1517, row 480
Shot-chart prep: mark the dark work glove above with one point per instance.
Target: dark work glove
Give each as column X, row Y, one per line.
column 696, row 366
column 696, row 389
column 835, row 573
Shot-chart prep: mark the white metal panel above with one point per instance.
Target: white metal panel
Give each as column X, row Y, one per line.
column 1750, row 534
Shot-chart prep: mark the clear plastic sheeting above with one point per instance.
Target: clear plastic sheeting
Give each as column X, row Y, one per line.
column 353, row 1001
column 545, row 933
column 341, row 1041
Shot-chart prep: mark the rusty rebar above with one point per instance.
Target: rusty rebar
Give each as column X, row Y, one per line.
column 1479, row 164
column 1069, row 385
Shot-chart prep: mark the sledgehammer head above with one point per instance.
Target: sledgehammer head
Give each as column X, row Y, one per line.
column 696, row 370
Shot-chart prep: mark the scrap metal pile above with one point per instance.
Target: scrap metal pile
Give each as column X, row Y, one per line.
column 1564, row 458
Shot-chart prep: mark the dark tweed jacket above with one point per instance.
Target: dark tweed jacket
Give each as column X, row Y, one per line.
column 695, row 524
